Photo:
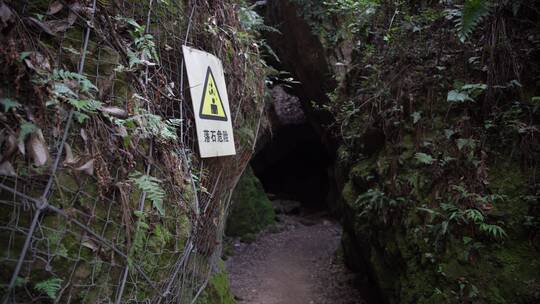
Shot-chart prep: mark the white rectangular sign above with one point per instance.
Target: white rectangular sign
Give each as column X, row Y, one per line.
column 210, row 103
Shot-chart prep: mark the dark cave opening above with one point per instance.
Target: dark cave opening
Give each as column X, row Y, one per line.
column 293, row 165
column 296, row 161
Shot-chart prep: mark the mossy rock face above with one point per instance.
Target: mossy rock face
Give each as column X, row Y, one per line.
column 440, row 203
column 218, row 290
column 251, row 210
column 405, row 266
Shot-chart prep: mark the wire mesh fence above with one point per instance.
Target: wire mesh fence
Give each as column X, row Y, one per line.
column 102, row 196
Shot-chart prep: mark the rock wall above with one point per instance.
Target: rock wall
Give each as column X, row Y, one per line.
column 104, row 195
column 438, row 145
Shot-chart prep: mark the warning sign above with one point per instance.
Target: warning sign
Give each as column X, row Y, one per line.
column 210, row 103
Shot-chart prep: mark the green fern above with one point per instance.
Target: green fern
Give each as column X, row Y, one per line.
column 9, row 103
column 475, row 216
column 139, row 240
column 151, row 186
column 49, row 287
column 85, row 105
column 424, row 158
column 474, row 11
column 150, row 125
column 252, row 21
column 63, row 92
column 145, row 47
column 493, row 230
column 85, row 85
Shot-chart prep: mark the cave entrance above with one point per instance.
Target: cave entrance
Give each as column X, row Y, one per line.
column 294, row 165
column 296, row 162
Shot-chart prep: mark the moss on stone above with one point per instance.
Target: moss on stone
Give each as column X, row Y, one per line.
column 363, row 173
column 251, row 210
column 218, row 290
column 349, row 193
column 413, row 259
column 507, row 179
column 409, row 269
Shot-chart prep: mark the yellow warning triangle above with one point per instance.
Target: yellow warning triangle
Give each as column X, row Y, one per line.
column 211, row 103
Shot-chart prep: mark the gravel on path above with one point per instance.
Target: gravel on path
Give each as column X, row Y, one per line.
column 297, row 265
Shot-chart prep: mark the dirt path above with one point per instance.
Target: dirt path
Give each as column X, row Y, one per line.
column 295, row 266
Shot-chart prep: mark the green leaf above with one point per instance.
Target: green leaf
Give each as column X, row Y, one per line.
column 466, row 142
column 24, row 55
column 49, row 287
column 458, row 96
column 416, row 117
column 472, row 14
column 142, row 225
column 467, row 240
column 9, row 103
column 150, row 125
column 80, row 117
column 85, row 85
column 430, row 211
column 131, row 22
column 63, row 90
column 20, row 282
column 424, row 158
column 133, row 59
column 71, row 50
column 474, row 86
column 158, row 204
column 448, row 159
column 151, row 186
column 515, row 83
column 26, row 128
column 85, row 105
column 448, row 133
column 474, row 215
column 495, row 231
column 444, row 227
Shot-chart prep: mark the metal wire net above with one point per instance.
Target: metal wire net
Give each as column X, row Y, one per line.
column 80, row 215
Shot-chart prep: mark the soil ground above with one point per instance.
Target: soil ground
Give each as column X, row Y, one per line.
column 298, row 265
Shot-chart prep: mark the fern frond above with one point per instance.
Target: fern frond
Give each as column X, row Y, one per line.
column 252, row 21
column 49, row 287
column 151, row 186
column 151, row 125
column 85, row 84
column 474, row 11
column 85, row 105
column 494, row 231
